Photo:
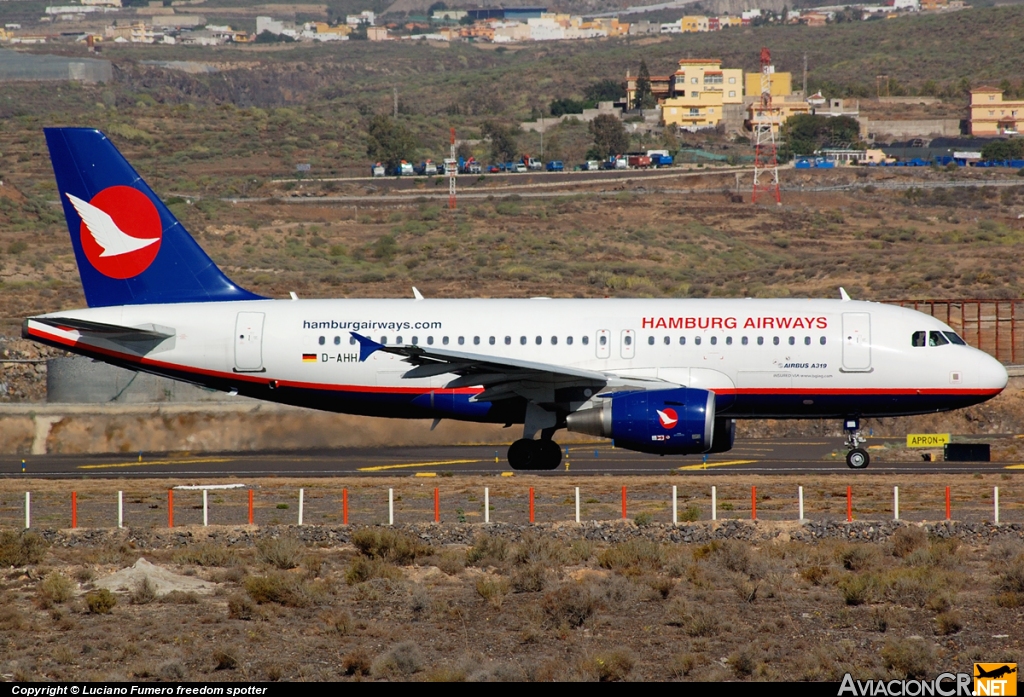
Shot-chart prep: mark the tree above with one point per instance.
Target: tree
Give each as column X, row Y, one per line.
column 604, row 91
column 805, row 133
column 389, row 142
column 504, row 144
column 1012, row 149
column 643, row 99
column 609, row 135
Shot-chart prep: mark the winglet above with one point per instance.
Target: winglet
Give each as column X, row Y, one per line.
column 367, row 346
column 844, row 295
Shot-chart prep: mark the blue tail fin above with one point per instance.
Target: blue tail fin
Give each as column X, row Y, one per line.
column 130, row 248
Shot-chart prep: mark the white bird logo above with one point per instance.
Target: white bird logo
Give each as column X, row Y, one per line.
column 105, row 231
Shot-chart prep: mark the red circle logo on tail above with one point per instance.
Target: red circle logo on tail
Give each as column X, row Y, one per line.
column 668, row 418
column 120, row 231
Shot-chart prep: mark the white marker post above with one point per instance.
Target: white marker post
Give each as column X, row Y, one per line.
column 301, row 501
column 714, row 503
column 995, row 504
column 28, row 510
column 577, row 504
column 391, row 506
column 206, row 510
column 800, row 495
column 120, row 509
column 895, row 503
column 675, row 507
column 487, row 505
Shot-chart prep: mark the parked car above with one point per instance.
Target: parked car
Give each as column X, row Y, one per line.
column 493, row 169
column 377, row 170
column 519, row 168
column 590, row 166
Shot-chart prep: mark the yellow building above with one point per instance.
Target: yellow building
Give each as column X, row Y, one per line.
column 991, row 115
column 693, row 23
column 701, row 89
column 785, row 106
column 782, row 84
column 325, row 28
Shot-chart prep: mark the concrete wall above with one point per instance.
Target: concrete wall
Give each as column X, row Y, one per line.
column 918, row 128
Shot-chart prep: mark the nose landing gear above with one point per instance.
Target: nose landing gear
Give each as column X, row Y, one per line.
column 857, row 457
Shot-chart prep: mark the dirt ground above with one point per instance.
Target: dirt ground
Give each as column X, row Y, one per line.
column 638, row 599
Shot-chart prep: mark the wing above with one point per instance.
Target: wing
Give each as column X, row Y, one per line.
column 549, row 386
column 106, row 232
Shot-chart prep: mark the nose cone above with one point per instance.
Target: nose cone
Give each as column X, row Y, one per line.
column 991, row 374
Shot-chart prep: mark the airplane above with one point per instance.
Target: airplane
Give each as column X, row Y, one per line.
column 660, row 376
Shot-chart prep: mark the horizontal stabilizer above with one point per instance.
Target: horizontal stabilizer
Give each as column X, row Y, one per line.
column 111, row 332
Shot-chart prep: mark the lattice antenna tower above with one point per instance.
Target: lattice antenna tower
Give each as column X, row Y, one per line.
column 451, row 168
column 766, row 123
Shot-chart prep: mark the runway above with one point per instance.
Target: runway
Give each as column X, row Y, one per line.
column 749, row 456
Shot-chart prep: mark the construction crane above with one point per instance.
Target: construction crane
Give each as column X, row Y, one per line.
column 766, row 123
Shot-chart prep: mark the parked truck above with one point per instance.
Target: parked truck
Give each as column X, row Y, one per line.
column 531, row 164
column 555, row 166
column 638, row 161
column 404, row 169
column 377, row 169
column 660, row 158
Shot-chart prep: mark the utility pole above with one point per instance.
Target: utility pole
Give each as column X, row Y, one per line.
column 394, row 92
column 805, row 76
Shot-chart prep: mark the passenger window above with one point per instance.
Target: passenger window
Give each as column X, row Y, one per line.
column 728, row 341
column 585, row 340
column 792, row 341
column 743, row 341
column 539, row 341
column 937, row 339
column 462, row 340
column 398, row 339
column 917, row 339
column 508, row 341
column 352, row 340
column 444, row 340
column 337, row 340
column 760, row 341
column 650, row 341
column 775, row 340
column 821, row 341
column 430, row 341
column 476, row 341
column 954, row 338
column 602, row 340
column 627, row 340
column 696, row 341
column 554, row 340
column 322, row 340
column 568, row 340
column 682, row 341
column 807, row 341
column 491, row 341
column 383, row 341
column 415, row 341
column 522, row 341
column 714, row 341
column 668, row 341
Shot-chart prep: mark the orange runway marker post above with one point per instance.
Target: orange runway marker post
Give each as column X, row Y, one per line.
column 623, row 503
column 344, row 506
column 250, row 506
column 849, row 504
column 531, row 504
column 753, row 503
column 947, row 504
column 74, row 507
column 170, row 508
column 437, row 505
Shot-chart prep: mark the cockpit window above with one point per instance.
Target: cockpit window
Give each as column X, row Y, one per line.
column 937, row 339
column 918, row 339
column 954, row 338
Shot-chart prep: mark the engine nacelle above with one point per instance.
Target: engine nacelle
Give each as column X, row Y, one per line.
column 680, row 421
column 725, row 436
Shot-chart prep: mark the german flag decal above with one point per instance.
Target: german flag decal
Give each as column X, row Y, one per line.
column 309, row 358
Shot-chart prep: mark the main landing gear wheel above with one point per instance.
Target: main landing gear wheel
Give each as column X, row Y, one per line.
column 526, row 454
column 857, row 459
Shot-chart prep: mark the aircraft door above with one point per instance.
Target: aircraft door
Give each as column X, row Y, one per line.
column 627, row 343
column 249, row 342
column 604, row 343
column 856, row 341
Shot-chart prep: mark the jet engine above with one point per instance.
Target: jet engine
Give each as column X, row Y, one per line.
column 679, row 421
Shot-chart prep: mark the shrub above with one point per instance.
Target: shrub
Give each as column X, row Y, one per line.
column 56, row 588
column 572, row 604
column 21, row 548
column 857, row 590
column 682, row 665
column 643, row 520
column 537, row 550
column 389, row 545
column 815, row 575
column 487, row 548
column 401, row 660
column 338, row 621
column 492, row 589
column 206, row 555
column 947, row 623
column 280, row 588
column 530, row 579
column 362, row 569
column 907, row 540
column 690, row 514
column 281, row 552
column 100, row 602
column 143, row 592
column 241, row 607
column 356, row 662
column 612, row 667
column 910, row 658
column 1011, row 578
column 225, row 659
column 632, row 557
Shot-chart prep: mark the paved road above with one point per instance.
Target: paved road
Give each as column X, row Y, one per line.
column 757, row 456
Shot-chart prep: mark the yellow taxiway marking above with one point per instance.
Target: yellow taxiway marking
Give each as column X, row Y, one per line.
column 151, row 463
column 425, row 474
column 1014, row 467
column 717, row 464
column 381, row 468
